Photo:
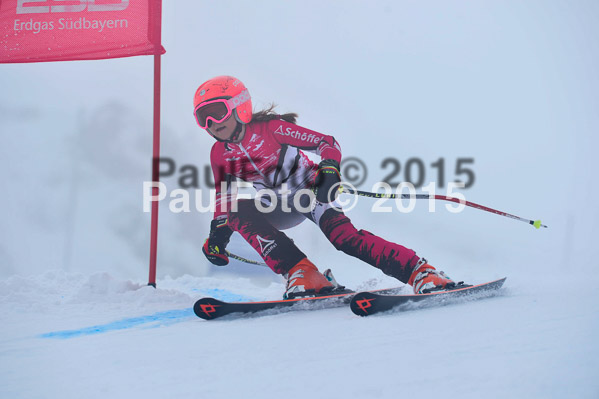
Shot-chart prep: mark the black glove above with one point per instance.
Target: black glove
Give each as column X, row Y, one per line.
column 215, row 245
column 326, row 177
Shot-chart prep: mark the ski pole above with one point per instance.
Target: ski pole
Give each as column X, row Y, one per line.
column 242, row 259
column 536, row 223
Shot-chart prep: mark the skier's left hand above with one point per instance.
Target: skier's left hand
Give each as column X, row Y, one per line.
column 326, row 178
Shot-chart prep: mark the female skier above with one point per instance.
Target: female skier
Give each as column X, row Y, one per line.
column 266, row 149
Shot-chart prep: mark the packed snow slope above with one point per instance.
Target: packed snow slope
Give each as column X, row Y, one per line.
column 511, row 85
column 71, row 336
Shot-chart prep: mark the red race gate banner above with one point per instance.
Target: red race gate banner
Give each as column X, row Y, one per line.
column 66, row 30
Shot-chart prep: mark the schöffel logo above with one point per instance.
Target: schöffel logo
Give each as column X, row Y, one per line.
column 296, row 134
column 90, row 5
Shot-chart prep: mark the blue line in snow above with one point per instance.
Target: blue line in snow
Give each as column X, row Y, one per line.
column 160, row 318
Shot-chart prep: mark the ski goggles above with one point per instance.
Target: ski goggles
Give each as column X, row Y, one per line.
column 219, row 110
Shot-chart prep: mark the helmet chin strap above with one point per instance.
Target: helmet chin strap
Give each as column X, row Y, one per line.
column 236, row 132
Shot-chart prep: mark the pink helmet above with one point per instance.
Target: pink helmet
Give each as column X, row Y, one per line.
column 226, row 87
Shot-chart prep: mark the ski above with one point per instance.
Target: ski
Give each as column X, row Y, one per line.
column 211, row 308
column 368, row 303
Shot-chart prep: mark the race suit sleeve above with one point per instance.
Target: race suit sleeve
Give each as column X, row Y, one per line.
column 220, row 169
column 287, row 133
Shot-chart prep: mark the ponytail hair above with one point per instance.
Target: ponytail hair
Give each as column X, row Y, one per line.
column 268, row 114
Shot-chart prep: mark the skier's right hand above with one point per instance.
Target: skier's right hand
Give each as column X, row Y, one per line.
column 214, row 247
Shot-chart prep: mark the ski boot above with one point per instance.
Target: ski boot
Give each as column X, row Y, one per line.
column 426, row 279
column 304, row 279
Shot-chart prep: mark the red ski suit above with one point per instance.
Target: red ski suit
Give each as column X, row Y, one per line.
column 270, row 156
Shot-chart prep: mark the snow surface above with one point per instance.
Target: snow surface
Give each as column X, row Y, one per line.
column 71, row 336
column 511, row 84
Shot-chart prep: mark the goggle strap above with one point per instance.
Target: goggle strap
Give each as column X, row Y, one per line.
column 239, row 99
